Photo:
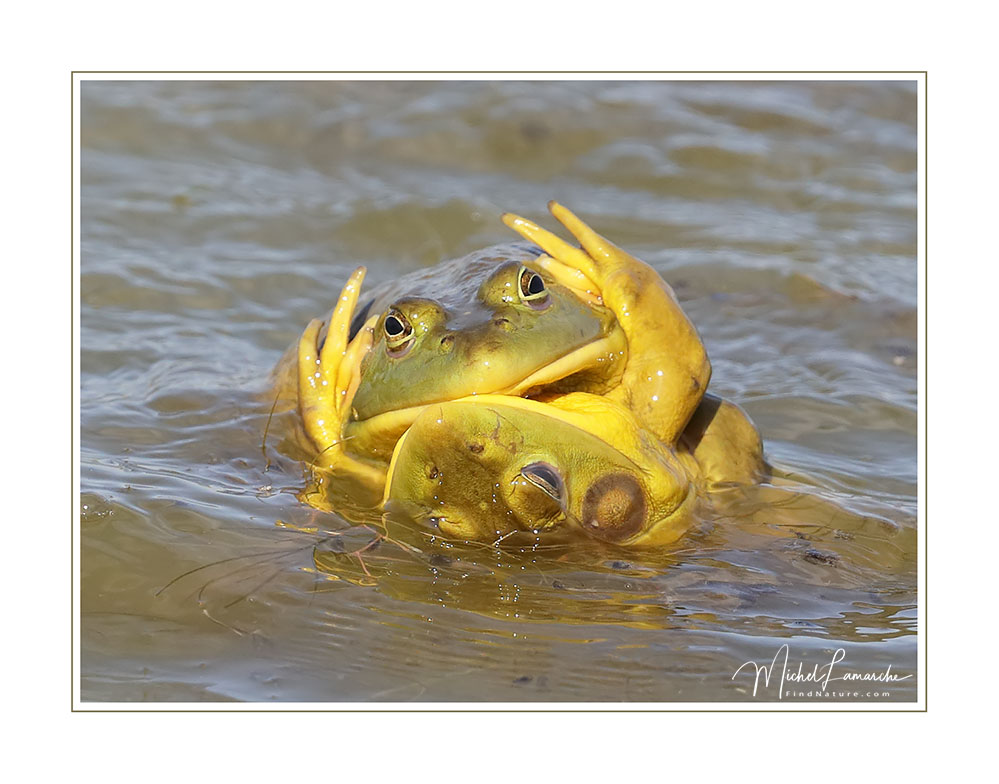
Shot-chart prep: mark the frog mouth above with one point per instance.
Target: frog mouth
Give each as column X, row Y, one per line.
column 588, row 356
column 390, row 425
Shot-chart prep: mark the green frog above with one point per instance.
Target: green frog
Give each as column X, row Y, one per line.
column 541, row 322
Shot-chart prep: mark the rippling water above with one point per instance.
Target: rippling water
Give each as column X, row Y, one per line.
column 218, row 218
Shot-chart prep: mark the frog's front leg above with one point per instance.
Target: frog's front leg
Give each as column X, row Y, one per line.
column 328, row 375
column 667, row 369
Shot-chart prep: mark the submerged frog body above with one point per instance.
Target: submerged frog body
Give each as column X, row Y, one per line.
column 540, row 322
column 486, row 467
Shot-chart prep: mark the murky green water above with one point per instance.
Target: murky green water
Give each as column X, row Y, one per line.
column 218, row 218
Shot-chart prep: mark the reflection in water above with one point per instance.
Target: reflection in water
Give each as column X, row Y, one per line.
column 582, row 581
column 219, row 218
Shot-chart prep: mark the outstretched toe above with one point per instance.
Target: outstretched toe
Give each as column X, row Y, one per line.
column 600, row 248
column 336, row 336
column 552, row 244
column 327, row 375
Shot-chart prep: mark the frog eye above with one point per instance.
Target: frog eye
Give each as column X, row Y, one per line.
column 398, row 333
column 547, row 479
column 531, row 287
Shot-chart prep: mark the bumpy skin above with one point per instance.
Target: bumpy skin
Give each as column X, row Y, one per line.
column 485, row 467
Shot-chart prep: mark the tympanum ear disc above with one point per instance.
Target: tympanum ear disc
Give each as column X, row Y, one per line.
column 614, row 507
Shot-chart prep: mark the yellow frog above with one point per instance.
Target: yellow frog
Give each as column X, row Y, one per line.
column 588, row 338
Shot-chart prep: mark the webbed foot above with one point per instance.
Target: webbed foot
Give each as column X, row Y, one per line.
column 328, row 375
column 667, row 370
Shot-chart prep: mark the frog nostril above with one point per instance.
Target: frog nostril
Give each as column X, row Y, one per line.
column 447, row 342
column 503, row 323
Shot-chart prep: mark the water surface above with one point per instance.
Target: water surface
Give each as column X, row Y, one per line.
column 218, row 218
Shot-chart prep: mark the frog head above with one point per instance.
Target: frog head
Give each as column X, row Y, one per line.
column 494, row 322
column 484, row 467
